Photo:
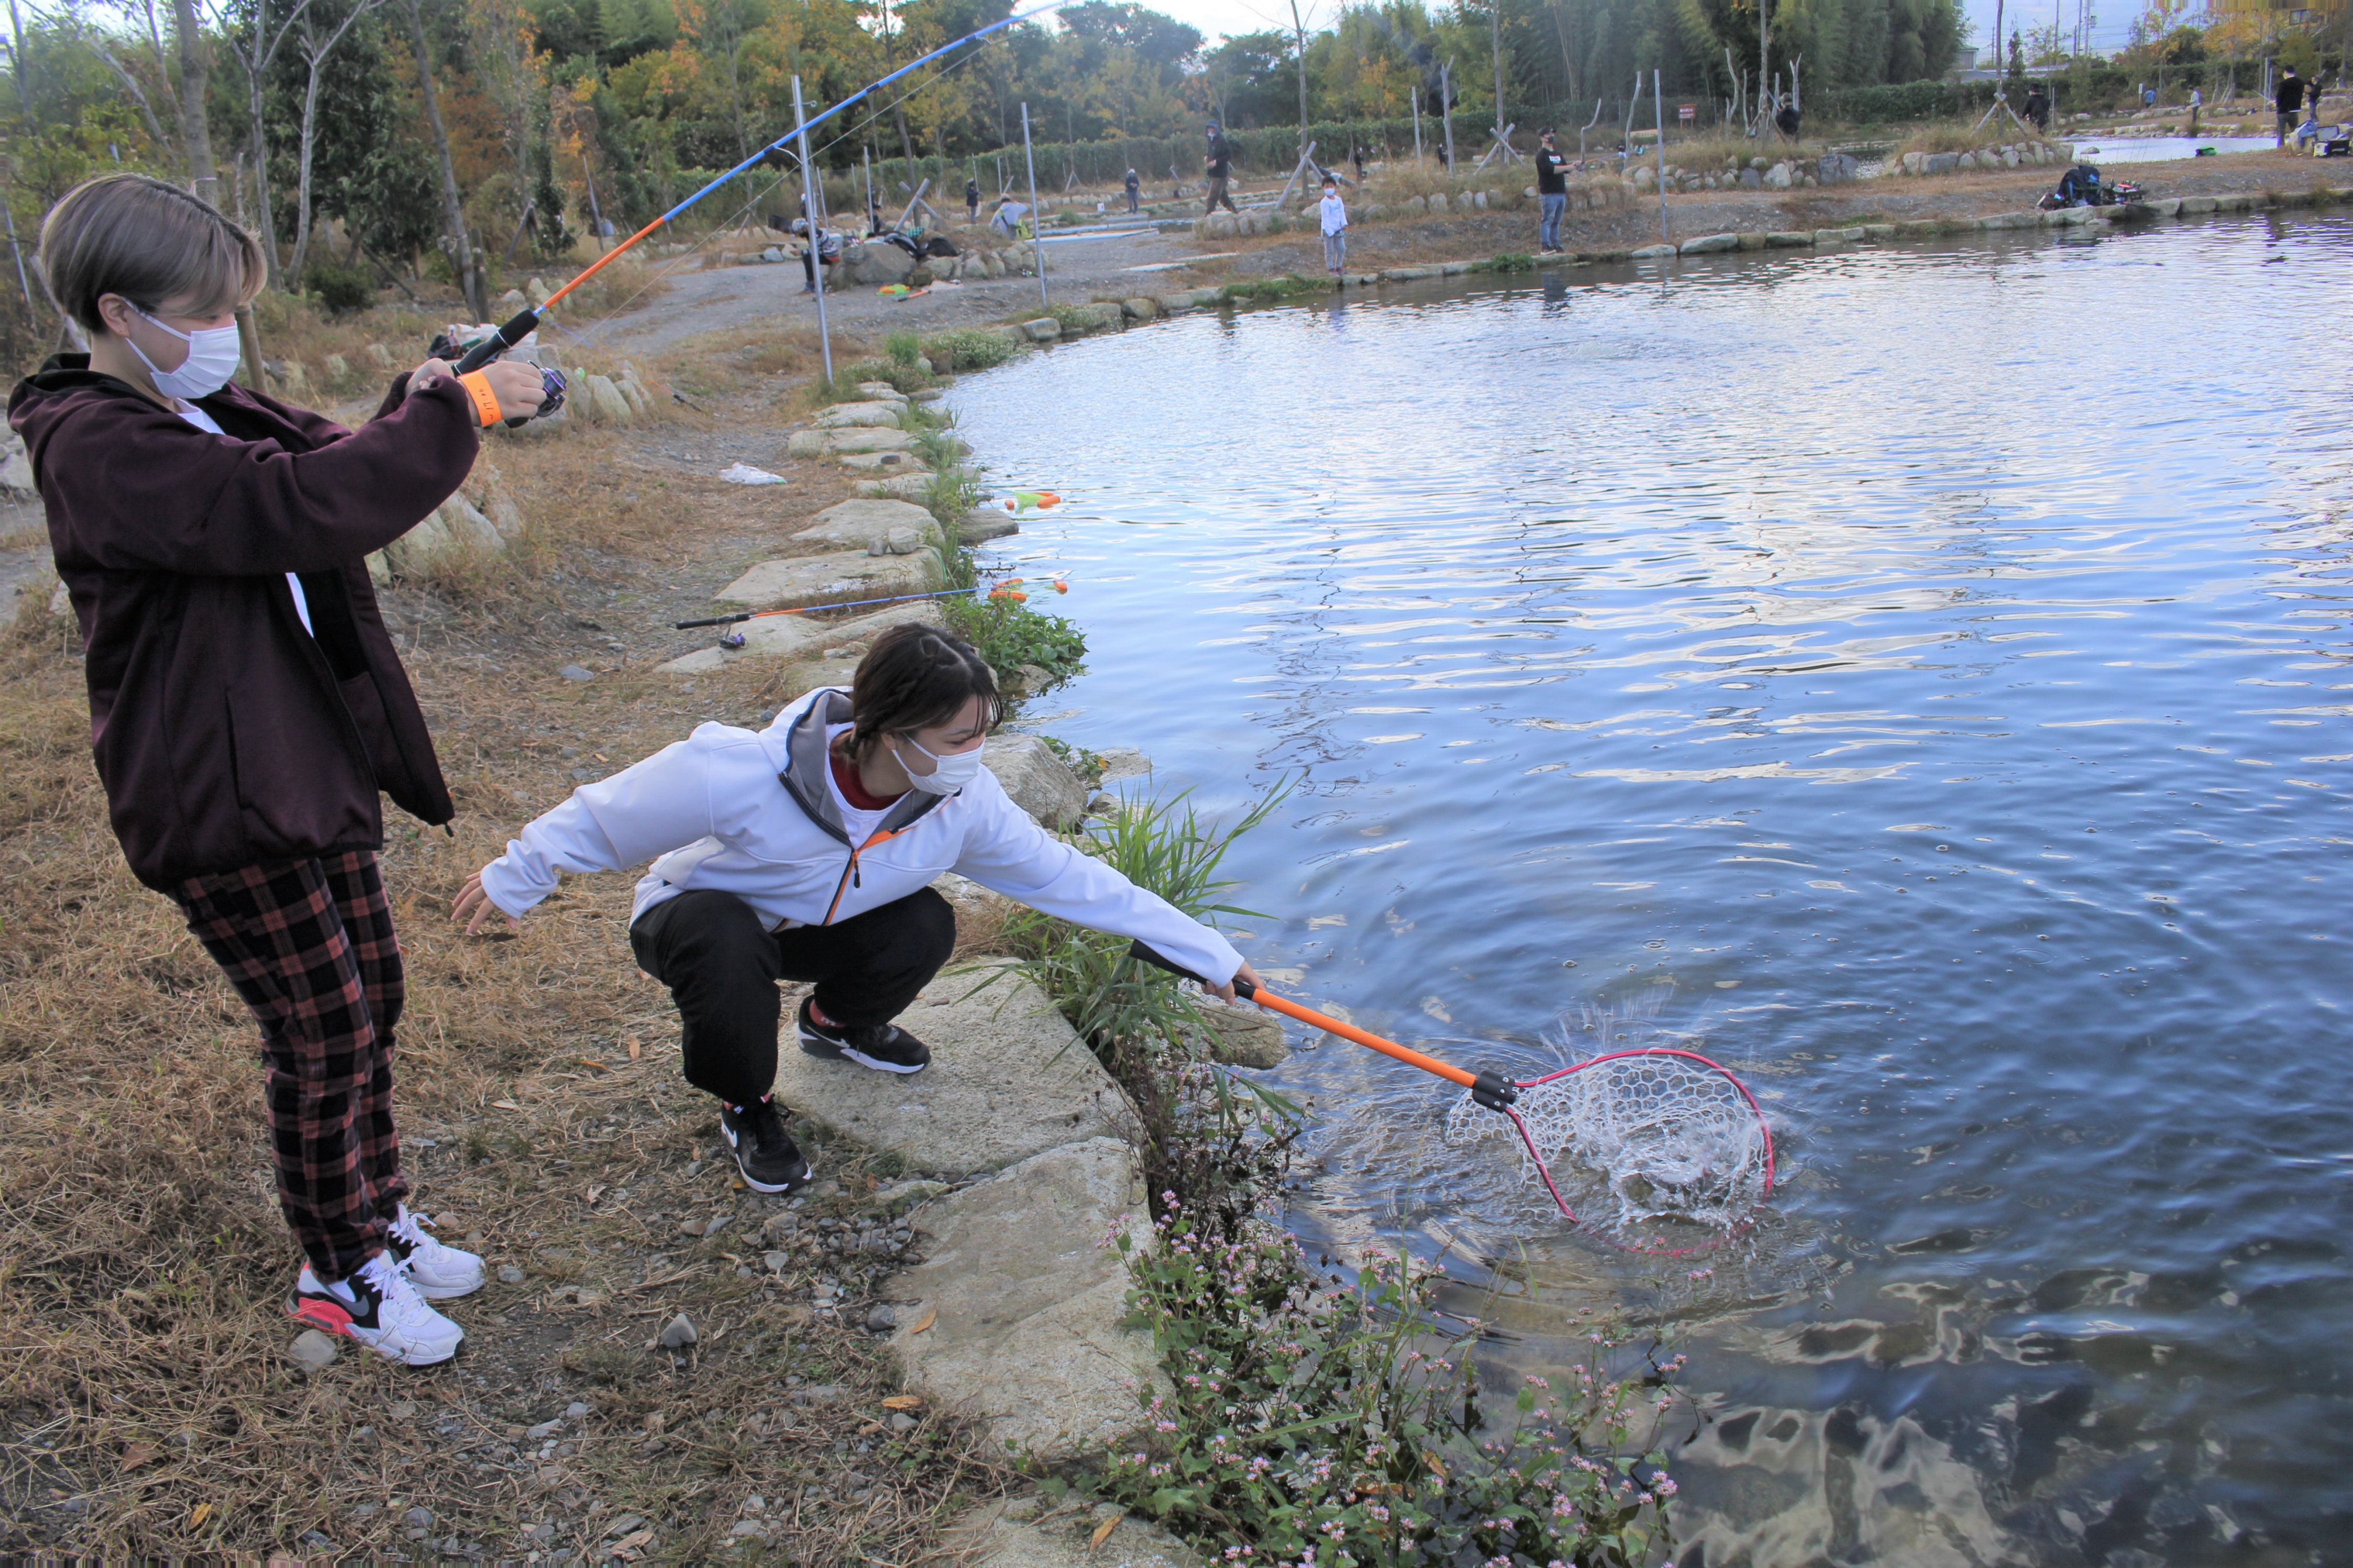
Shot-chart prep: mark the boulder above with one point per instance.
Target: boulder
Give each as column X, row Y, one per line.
column 1788, row 238
column 881, row 392
column 379, row 357
column 1750, row 180
column 862, row 523
column 1139, row 309
column 986, row 524
column 1836, row 168
column 880, row 463
column 1966, row 163
column 604, row 401
column 878, row 263
column 798, row 636
column 1169, row 304
column 1044, row 329
column 1244, row 1036
column 1707, row 243
column 1028, row 1533
column 1435, row 203
column 1096, row 317
column 2191, row 206
column 1039, row 782
column 1652, row 252
column 1940, row 163
column 1777, row 178
column 1009, row 1080
column 831, row 580
column 877, row 416
column 15, row 468
column 1024, row 1304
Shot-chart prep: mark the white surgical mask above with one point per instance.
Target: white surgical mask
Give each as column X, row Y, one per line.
column 212, row 354
column 949, row 773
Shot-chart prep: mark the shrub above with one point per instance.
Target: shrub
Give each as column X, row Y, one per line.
column 1309, row 1425
column 339, row 289
column 1505, row 261
column 903, row 349
column 1008, row 634
column 969, row 348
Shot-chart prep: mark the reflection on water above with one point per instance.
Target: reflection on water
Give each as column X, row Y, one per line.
column 1916, row 677
column 2162, row 148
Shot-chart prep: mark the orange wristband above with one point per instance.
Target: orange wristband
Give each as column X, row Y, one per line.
column 486, row 402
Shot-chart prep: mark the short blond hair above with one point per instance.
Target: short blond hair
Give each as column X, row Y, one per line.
column 148, row 241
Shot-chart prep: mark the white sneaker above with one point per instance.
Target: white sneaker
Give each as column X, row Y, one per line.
column 379, row 1307
column 439, row 1273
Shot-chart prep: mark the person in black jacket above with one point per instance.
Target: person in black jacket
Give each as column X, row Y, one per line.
column 1552, row 195
column 1220, row 166
column 245, row 701
column 2289, row 101
column 1132, row 186
column 972, row 201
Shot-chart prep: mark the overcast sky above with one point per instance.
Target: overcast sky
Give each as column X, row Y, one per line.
column 1223, row 18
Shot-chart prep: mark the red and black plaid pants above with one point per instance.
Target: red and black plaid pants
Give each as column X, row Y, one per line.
column 309, row 945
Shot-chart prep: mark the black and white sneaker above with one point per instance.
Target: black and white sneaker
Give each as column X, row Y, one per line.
column 885, row 1047
column 764, row 1152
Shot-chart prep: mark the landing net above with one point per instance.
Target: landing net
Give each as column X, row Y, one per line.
column 1665, row 1134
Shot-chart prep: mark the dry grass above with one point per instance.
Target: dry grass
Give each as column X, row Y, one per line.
column 146, row 1408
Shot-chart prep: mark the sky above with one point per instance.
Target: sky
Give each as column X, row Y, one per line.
column 1224, row 18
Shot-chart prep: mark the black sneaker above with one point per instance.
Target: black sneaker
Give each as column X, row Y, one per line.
column 771, row 1162
column 885, row 1047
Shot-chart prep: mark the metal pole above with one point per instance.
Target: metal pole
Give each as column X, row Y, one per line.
column 817, row 230
column 1037, row 229
column 869, row 150
column 1659, row 119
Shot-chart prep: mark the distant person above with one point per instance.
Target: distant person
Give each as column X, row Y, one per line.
column 1786, row 121
column 2196, row 101
column 1006, row 219
column 1334, row 212
column 2148, row 96
column 2289, row 101
column 821, row 249
column 1219, row 163
column 2038, row 105
column 1134, row 187
column 1356, row 157
column 972, row 201
column 1552, row 195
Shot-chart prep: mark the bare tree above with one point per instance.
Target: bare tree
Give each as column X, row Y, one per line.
column 96, row 42
column 315, row 49
column 453, row 207
column 254, row 54
column 195, row 130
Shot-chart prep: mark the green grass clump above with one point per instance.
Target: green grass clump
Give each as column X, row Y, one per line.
column 969, row 348
column 1289, row 286
column 1008, row 634
column 903, row 349
column 1505, row 261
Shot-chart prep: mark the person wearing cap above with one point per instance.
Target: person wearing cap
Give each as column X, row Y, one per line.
column 1220, row 164
column 1552, row 194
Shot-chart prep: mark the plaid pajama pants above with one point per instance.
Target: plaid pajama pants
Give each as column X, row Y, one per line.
column 309, row 945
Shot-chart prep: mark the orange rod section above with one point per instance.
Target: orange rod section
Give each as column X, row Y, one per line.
column 593, row 266
column 1265, row 998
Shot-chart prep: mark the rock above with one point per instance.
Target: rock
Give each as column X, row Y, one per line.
column 1169, row 304
column 1039, row 782
column 509, row 1274
column 900, row 1420
column 1707, row 243
column 1244, row 1036
column 776, row 1262
column 603, row 401
column 913, row 1191
column 878, row 262
column 1788, row 238
column 880, row 1320
column 883, row 392
column 1940, row 163
column 872, row 415
column 2191, row 206
column 1020, row 1534
column 679, row 1334
column 1139, row 309
column 882, row 463
column 1435, row 202
column 1966, row 163
column 1777, row 178
column 1009, row 1079
column 15, row 468
column 314, row 1350
column 981, row 526
column 577, row 1410
column 831, row 579
column 577, row 672
column 860, row 523
column 833, row 443
column 749, row 1528
column 378, row 355
column 547, row 1429
column 1123, row 763
column 1644, row 253
column 339, row 370
column 1836, row 168
column 1044, row 329
column 898, row 487
column 1750, row 180
column 1024, row 1304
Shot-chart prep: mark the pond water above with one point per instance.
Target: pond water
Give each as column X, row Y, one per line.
column 2164, row 149
column 1918, row 676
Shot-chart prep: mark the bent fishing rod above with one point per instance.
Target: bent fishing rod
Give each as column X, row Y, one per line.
column 527, row 320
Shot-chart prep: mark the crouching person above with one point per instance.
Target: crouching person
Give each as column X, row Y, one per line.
column 806, row 851
column 245, row 701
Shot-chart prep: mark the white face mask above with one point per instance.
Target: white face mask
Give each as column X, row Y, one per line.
column 212, row 356
column 949, row 773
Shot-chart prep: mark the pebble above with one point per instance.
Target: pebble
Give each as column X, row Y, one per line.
column 418, row 1519
column 317, row 1540
column 717, row 1222
column 748, row 1527
column 777, row 1262
column 575, row 1410
column 901, row 1422
column 574, row 672
column 509, row 1274
column 880, row 1320
column 314, row 1350
column 755, row 1506
column 689, row 1227
column 623, row 1525
column 679, row 1334
column 400, row 1409
column 544, row 1429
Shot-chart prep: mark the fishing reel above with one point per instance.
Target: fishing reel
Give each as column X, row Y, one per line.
column 498, row 345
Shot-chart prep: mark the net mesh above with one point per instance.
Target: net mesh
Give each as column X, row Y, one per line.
column 1664, row 1136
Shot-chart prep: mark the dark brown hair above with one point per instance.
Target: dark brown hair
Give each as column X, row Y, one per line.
column 148, row 241
column 916, row 677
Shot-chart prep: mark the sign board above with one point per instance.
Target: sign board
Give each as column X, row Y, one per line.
column 1686, row 112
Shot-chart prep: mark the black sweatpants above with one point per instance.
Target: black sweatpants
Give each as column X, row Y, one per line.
column 722, row 968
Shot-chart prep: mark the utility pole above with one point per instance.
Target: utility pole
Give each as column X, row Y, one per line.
column 1659, row 119
column 1300, row 33
column 1495, row 32
column 1037, row 230
column 816, row 228
column 1764, row 75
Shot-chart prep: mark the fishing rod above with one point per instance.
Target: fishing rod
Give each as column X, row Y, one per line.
column 1002, row 590
column 527, row 320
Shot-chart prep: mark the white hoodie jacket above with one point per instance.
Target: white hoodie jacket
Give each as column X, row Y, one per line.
column 725, row 808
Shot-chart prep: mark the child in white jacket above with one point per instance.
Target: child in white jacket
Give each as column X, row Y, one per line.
column 1334, row 213
column 806, row 851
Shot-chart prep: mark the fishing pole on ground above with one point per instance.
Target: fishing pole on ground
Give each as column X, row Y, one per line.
column 527, row 320
column 1006, row 588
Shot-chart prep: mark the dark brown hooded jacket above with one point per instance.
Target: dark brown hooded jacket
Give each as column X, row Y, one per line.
column 226, row 735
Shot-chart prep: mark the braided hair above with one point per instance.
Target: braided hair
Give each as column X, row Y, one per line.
column 916, row 677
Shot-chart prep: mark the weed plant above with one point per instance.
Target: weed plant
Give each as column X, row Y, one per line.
column 1305, row 1425
column 969, row 348
column 1505, row 261
column 903, row 349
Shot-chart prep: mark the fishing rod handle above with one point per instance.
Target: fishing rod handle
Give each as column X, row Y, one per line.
column 713, row 621
column 525, row 322
column 1138, row 950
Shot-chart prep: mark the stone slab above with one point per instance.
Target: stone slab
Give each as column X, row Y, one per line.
column 898, row 487
column 1025, row 1302
column 831, row 580
column 1028, row 1532
column 1707, row 243
column 882, row 463
column 795, row 637
column 1009, row 1079
column 982, row 526
column 858, row 524
column 1039, row 782
column 877, row 416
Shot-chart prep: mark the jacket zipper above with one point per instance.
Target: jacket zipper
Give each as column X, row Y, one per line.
column 849, row 877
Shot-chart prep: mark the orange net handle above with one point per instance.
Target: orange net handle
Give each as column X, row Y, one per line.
column 1446, row 1070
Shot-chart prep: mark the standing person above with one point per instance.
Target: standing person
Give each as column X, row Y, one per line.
column 1356, row 157
column 822, row 249
column 1552, row 195
column 1133, row 185
column 1006, row 219
column 2038, row 105
column 245, row 702
column 972, row 201
column 826, row 878
column 2289, row 101
column 1219, row 164
column 1334, row 212
column 2197, row 100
